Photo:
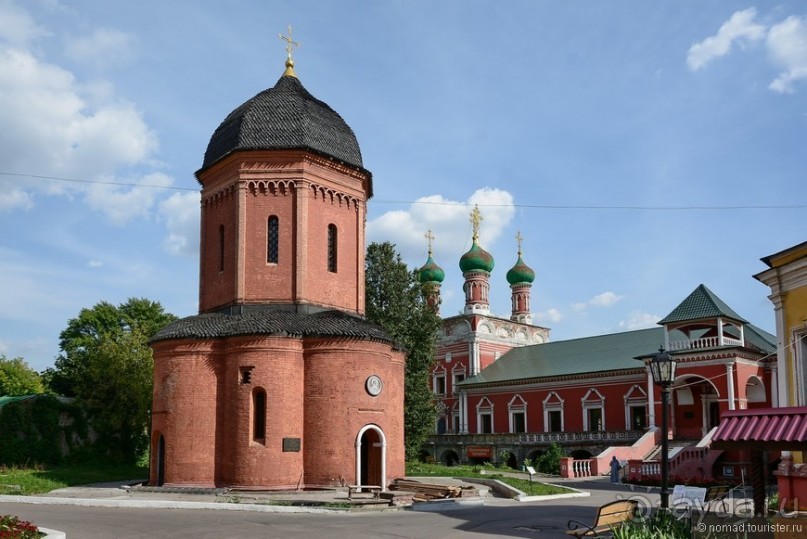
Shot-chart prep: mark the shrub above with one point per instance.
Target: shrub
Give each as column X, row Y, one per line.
column 661, row 525
column 549, row 462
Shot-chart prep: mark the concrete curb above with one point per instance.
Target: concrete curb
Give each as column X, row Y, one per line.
column 450, row 504
column 515, row 494
column 52, row 534
column 166, row 504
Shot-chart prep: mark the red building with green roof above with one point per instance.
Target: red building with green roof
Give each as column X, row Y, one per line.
column 505, row 393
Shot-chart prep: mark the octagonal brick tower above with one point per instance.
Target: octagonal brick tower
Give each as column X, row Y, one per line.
column 283, row 206
column 279, row 382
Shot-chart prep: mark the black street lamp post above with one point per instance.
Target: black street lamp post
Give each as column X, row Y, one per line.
column 662, row 367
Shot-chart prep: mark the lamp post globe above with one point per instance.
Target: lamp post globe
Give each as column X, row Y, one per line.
column 662, row 368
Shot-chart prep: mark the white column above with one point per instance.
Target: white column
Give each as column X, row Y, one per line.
column 463, row 412
column 784, row 397
column 651, row 399
column 730, row 383
column 774, row 385
column 720, row 341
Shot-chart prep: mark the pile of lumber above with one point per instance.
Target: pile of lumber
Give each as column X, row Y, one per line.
column 425, row 491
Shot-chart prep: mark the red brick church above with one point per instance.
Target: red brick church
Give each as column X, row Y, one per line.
column 505, row 392
column 279, row 382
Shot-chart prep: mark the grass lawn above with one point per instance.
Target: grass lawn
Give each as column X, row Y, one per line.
column 23, row 481
column 420, row 469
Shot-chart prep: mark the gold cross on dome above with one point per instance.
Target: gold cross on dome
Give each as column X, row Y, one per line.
column 430, row 237
column 290, row 43
column 476, row 218
column 518, row 240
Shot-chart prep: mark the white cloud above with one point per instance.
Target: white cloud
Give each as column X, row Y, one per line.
column 121, row 204
column 739, row 29
column 55, row 125
column 787, row 47
column 449, row 221
column 550, row 315
column 103, row 47
column 94, row 264
column 14, row 199
column 785, row 42
column 639, row 320
column 180, row 212
column 16, row 25
column 606, row 299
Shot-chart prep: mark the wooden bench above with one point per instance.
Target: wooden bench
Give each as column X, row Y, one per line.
column 353, row 489
column 717, row 494
column 609, row 516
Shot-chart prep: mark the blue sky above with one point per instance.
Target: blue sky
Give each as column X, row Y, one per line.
column 641, row 148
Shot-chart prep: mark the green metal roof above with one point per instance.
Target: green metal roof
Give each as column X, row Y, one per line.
column 6, row 399
column 701, row 303
column 611, row 352
column 760, row 338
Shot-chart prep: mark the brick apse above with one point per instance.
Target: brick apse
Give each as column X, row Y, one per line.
column 279, row 382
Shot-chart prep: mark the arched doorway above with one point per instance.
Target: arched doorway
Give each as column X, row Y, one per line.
column 695, row 407
column 371, row 454
column 449, row 458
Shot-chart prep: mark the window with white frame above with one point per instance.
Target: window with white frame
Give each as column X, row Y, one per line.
column 439, row 383
column 517, row 408
column 635, row 408
column 484, row 416
column 457, row 376
column 553, row 413
column 455, row 415
column 800, row 353
column 593, row 404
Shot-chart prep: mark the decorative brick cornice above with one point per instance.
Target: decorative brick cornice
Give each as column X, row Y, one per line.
column 334, row 197
column 219, row 196
column 271, row 187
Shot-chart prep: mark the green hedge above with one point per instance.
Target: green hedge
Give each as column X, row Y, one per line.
column 30, row 431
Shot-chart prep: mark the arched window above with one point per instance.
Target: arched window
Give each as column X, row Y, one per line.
column 332, row 248
column 258, row 415
column 272, row 239
column 221, row 247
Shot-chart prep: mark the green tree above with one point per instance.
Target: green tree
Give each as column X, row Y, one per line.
column 396, row 301
column 106, row 361
column 549, row 462
column 17, row 378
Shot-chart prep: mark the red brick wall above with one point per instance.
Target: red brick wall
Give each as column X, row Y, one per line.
column 307, row 193
column 277, row 367
column 315, row 391
column 184, row 411
column 338, row 406
column 216, row 287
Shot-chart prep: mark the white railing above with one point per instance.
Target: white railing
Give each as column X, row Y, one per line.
column 581, row 468
column 705, row 342
column 651, row 468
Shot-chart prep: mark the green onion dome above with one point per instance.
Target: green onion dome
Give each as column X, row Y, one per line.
column 520, row 273
column 476, row 259
column 431, row 272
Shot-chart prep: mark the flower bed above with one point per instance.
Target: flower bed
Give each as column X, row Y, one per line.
column 12, row 527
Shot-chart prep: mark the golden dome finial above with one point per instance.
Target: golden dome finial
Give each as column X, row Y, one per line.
column 476, row 218
column 430, row 237
column 290, row 44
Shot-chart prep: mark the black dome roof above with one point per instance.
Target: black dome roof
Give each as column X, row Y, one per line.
column 285, row 117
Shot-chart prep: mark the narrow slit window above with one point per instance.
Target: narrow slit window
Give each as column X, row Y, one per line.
column 258, row 415
column 332, row 251
column 272, row 240
column 221, row 247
